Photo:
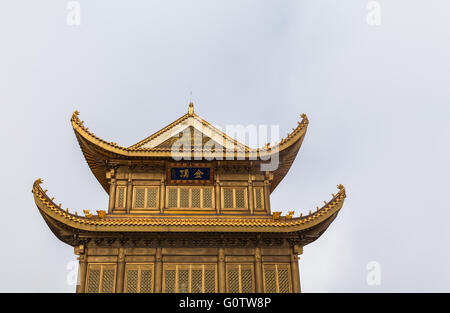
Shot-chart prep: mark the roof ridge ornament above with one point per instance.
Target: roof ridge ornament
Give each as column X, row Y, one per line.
column 191, row 108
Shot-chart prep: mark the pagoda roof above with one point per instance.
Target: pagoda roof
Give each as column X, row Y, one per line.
column 65, row 224
column 99, row 152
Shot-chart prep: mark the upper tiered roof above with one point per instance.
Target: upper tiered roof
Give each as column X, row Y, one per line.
column 99, row 152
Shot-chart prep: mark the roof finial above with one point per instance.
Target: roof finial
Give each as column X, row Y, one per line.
column 191, row 108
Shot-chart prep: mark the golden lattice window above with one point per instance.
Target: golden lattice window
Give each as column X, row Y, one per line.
column 146, row 283
column 93, row 281
column 228, row 198
column 283, row 279
column 172, row 195
column 139, row 278
column 195, row 199
column 196, row 280
column 108, row 280
column 170, row 280
column 120, row 201
column 207, row 197
column 234, row 198
column 269, row 278
column 152, row 197
column 233, row 279
column 240, row 278
column 277, row 278
column 183, row 279
column 240, row 198
column 190, row 278
column 190, row 197
column 209, row 278
column 258, row 194
column 184, row 197
column 139, row 198
column 145, row 198
column 101, row 278
column 131, row 281
column 246, row 280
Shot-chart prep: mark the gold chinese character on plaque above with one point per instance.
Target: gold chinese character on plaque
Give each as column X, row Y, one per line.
column 184, row 173
column 198, row 174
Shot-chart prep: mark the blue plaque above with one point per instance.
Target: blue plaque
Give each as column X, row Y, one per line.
column 190, row 173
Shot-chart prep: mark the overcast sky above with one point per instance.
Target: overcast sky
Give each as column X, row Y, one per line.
column 377, row 97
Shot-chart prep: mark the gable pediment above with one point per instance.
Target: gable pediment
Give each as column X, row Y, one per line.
column 193, row 130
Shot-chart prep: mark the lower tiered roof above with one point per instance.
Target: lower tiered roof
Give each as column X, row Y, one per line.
column 63, row 221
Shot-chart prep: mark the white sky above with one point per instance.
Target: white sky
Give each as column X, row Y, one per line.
column 377, row 99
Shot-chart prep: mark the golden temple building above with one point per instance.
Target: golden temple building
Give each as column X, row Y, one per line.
column 195, row 220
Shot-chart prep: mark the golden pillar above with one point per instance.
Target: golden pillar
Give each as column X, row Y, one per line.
column 162, row 199
column 250, row 194
column 112, row 194
column 217, row 196
column 295, row 270
column 258, row 271
column 221, row 271
column 158, row 270
column 129, row 193
column 81, row 282
column 267, row 195
column 120, row 270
